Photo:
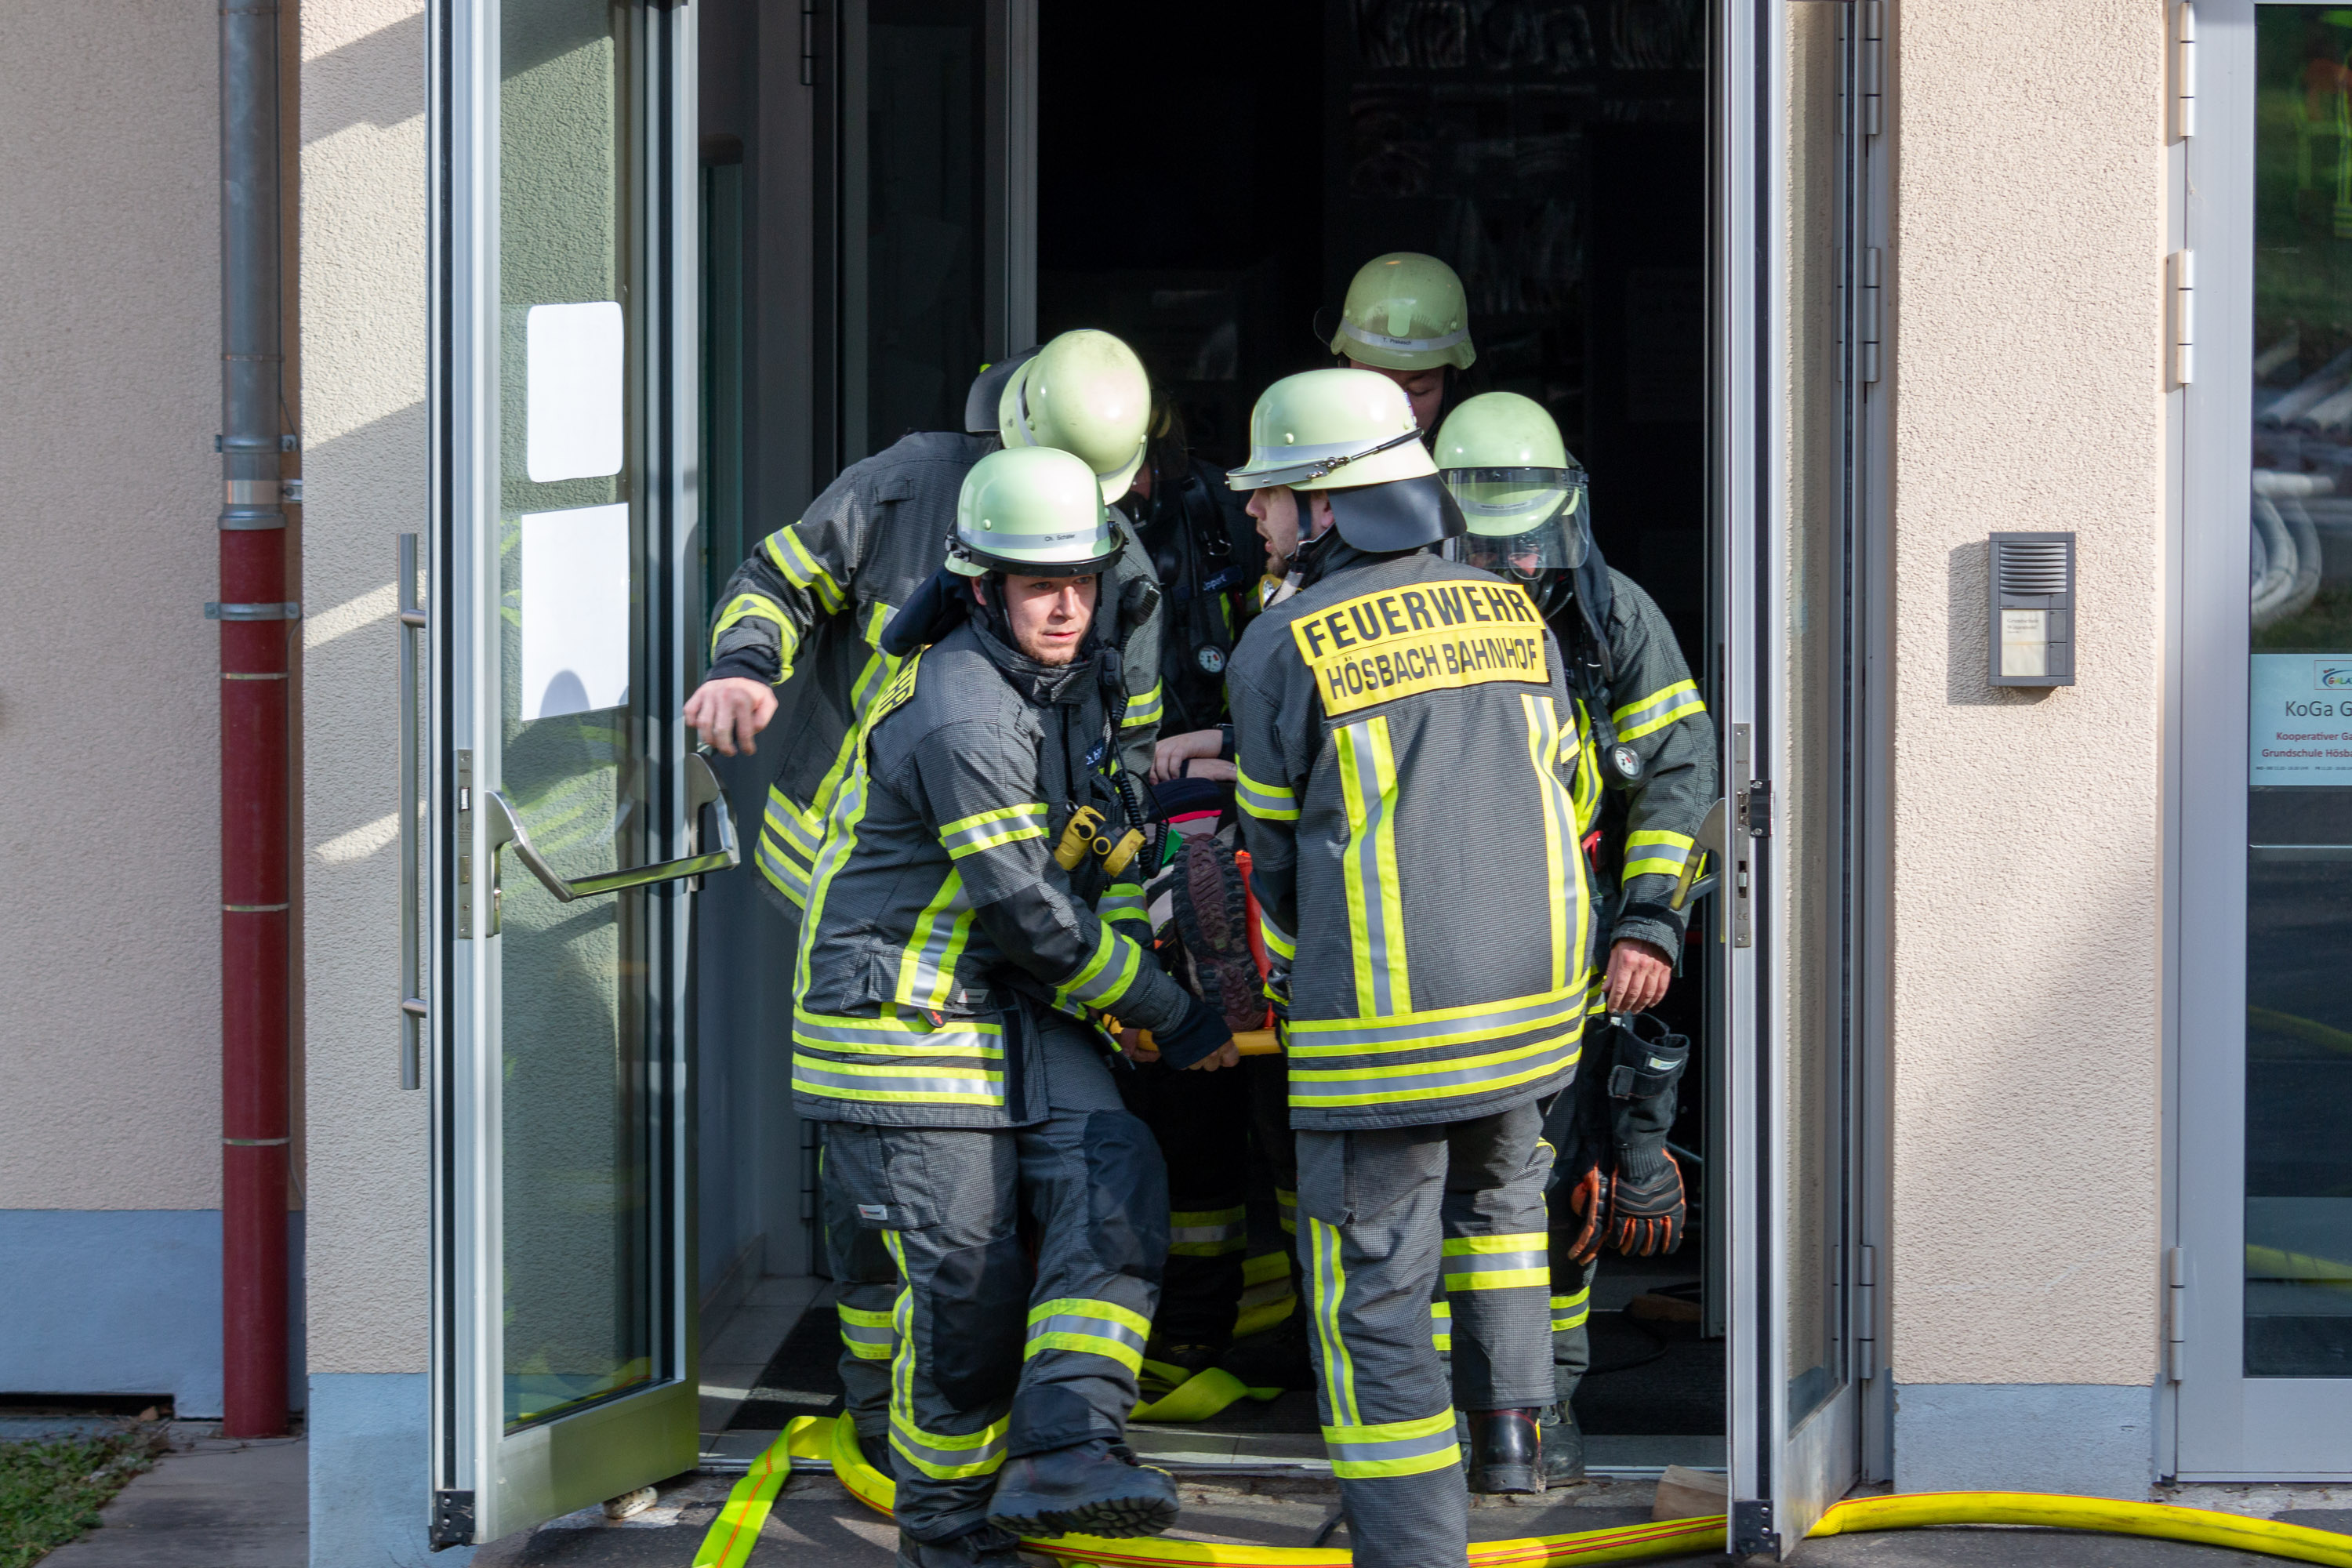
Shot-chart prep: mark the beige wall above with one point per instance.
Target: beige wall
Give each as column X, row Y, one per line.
column 109, row 989
column 364, row 343
column 2028, row 249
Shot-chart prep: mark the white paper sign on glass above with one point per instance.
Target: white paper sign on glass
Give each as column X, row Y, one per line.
column 2299, row 720
column 573, row 390
column 575, row 610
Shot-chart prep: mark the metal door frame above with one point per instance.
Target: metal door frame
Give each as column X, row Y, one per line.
column 1781, row 1480
column 487, row 1483
column 2218, row 1425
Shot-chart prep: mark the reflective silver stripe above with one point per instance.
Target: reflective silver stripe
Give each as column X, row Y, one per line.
column 1088, row 1325
column 1409, row 346
column 790, row 877
column 927, row 974
column 1123, row 902
column 894, row 1083
column 877, row 1034
column 791, row 826
column 1207, row 1233
column 1145, row 708
column 932, row 1454
column 1005, row 826
column 1274, row 802
column 1328, row 1037
column 1357, row 1453
column 1549, row 1055
column 867, row 1339
column 1364, row 849
column 1467, row 1267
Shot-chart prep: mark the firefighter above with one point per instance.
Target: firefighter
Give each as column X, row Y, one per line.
column 952, row 945
column 1407, row 318
column 799, row 635
column 1645, row 777
column 1424, row 904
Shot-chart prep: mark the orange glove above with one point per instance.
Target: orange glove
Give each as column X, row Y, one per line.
column 1588, row 1199
column 1645, row 1216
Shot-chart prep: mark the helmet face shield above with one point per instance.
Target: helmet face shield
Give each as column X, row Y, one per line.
column 1522, row 520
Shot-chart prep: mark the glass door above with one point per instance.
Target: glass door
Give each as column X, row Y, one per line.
column 568, row 811
column 2260, row 1289
column 1791, row 380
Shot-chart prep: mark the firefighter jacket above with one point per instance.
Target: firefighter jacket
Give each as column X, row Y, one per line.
column 938, row 925
column 806, row 612
column 1406, row 745
column 1653, row 707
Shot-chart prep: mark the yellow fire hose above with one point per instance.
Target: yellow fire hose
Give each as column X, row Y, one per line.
column 731, row 1535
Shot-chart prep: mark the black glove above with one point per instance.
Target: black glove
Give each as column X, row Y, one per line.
column 1645, row 1203
column 1201, row 1030
column 933, row 611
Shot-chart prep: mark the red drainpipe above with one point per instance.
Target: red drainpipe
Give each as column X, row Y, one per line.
column 257, row 625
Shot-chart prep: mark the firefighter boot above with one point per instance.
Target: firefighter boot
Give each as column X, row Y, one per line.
column 1505, row 1451
column 1563, row 1446
column 984, row 1546
column 1094, row 1488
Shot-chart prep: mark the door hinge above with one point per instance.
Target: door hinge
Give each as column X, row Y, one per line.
column 1865, row 1313
column 1752, row 1528
column 1872, row 311
column 2180, row 287
column 2176, row 1314
column 1874, row 66
column 2184, row 69
column 453, row 1519
column 465, row 843
column 808, row 43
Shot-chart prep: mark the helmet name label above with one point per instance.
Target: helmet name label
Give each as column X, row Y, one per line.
column 1380, row 646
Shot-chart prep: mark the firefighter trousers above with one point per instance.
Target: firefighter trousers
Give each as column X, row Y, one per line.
column 997, row 1357
column 1385, row 1214
column 865, row 1286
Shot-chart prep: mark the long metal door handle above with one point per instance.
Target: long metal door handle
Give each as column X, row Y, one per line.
column 702, row 788
column 413, row 1008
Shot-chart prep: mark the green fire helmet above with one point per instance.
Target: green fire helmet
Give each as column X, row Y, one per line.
column 1406, row 311
column 1350, row 433
column 1520, row 492
column 1322, row 429
column 1037, row 512
column 1084, row 392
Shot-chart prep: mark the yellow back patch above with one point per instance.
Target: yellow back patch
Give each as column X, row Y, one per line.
column 1381, row 646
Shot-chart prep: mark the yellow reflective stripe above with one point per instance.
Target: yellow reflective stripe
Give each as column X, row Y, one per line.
column 1124, row 901
column 802, row 570
column 877, row 623
column 1207, row 1233
column 1475, row 1245
column 1285, row 1204
column 867, row 1335
column 1656, row 853
column 804, row 831
column 1094, row 1328
column 1558, row 828
column 1571, row 1312
column 1392, row 1447
column 1434, row 1026
column 783, row 872
column 1270, row 803
column 944, row 1456
column 744, row 607
column 895, row 1036
column 1368, row 785
column 1658, row 710
column 1329, row 1283
column 987, row 829
column 1089, row 985
column 1279, row 942
column 1585, row 787
column 1144, row 708
column 927, row 963
column 1450, row 1078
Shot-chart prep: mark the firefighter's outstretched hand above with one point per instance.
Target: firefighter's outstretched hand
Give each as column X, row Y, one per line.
column 1639, row 973
column 729, row 710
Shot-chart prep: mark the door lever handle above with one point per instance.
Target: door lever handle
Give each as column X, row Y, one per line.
column 702, row 788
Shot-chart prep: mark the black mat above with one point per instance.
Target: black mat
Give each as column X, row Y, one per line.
column 1648, row 1379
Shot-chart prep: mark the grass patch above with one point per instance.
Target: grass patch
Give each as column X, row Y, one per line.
column 51, row 1492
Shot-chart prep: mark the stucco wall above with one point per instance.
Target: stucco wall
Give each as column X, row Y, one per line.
column 109, row 993
column 2027, row 385
column 364, row 343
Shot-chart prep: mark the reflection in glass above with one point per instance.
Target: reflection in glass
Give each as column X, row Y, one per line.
column 1810, row 831
column 577, row 1283
column 2298, row 1266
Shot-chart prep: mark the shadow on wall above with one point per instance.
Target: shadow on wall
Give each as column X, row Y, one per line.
column 376, row 80
column 1968, row 653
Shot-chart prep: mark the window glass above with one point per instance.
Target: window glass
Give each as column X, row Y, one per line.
column 2298, row 1264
